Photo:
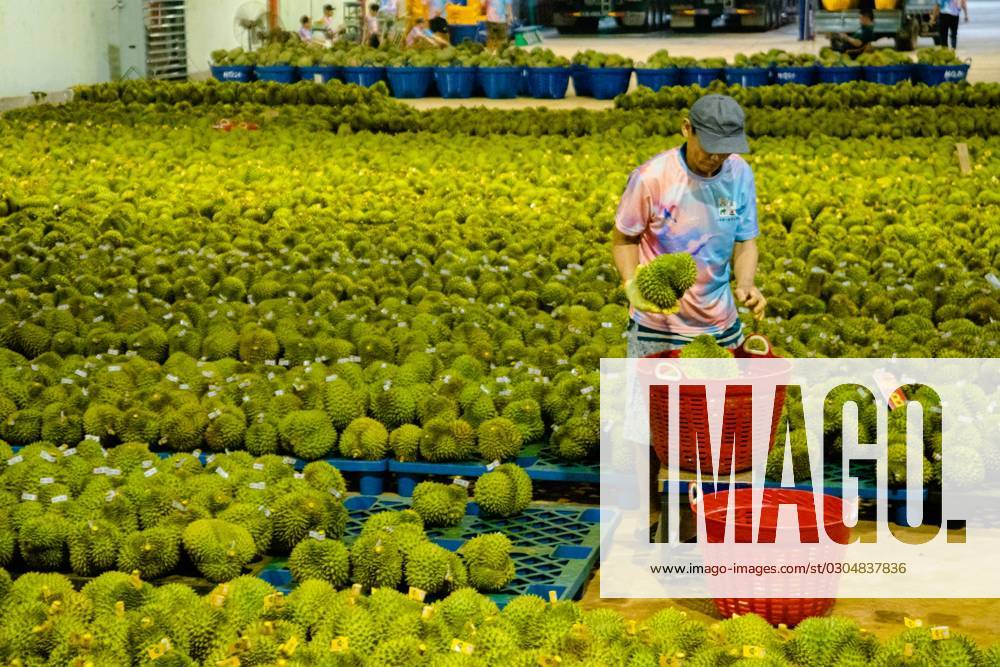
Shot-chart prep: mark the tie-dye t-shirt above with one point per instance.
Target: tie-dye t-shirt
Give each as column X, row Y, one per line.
column 675, row 210
column 949, row 7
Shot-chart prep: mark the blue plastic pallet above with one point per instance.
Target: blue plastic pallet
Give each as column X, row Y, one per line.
column 555, row 547
column 536, row 459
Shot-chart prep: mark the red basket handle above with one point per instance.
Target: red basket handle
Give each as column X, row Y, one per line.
column 757, row 337
column 673, row 374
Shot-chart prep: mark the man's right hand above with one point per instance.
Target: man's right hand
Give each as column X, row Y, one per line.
column 637, row 300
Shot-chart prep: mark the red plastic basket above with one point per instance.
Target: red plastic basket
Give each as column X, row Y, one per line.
column 695, row 405
column 787, row 610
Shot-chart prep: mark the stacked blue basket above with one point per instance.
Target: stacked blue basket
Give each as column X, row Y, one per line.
column 804, row 76
column 500, row 83
column 455, row 82
column 656, row 78
column 581, row 80
column 838, row 74
column 607, row 83
column 701, row 76
column 319, row 74
column 277, row 73
column 889, row 74
column 935, row 75
column 548, row 83
column 409, row 82
column 364, row 76
column 239, row 73
column 748, row 77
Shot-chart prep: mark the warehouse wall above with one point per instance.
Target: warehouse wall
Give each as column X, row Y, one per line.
column 50, row 45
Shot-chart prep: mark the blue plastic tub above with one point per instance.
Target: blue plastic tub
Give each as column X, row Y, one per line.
column 700, row 76
column 277, row 73
column 657, row 78
column 500, row 83
column 748, row 77
column 522, row 89
column 804, row 76
column 324, row 72
column 473, row 33
column 609, row 82
column 239, row 73
column 935, row 75
column 409, row 82
column 581, row 80
column 548, row 83
column 889, row 75
column 455, row 81
column 364, row 76
column 838, row 74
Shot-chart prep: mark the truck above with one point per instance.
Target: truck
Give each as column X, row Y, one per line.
column 583, row 16
column 759, row 14
column 905, row 24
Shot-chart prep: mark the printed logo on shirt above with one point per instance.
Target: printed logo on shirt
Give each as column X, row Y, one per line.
column 727, row 208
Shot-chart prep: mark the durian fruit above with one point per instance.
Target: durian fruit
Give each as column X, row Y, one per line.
column 257, row 345
column 670, row 632
column 393, row 405
column 404, row 442
column 154, row 552
column 897, row 458
column 376, row 561
column 93, row 546
column 226, row 429
column 578, row 438
column 505, row 491
column 527, row 416
column 665, row 279
column 326, row 559
column 499, row 439
column 343, row 403
column 42, row 540
column 308, row 434
column 524, row 614
column 825, row 640
column 218, row 549
column 294, row 514
column 261, row 438
column 487, row 559
column 433, row 569
column 247, row 515
column 440, row 504
column 364, row 438
column 447, row 440
column 705, row 347
column 799, row 449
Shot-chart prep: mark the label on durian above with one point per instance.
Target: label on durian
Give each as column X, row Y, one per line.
column 221, row 473
column 299, row 475
column 317, row 535
column 180, row 507
column 753, row 651
column 417, row 594
column 586, row 390
column 908, row 650
column 99, row 318
column 47, row 480
column 91, row 437
column 79, row 372
column 427, row 612
column 283, row 362
column 114, row 369
column 14, row 460
column 100, row 470
column 940, row 632
column 110, row 495
column 459, row 646
column 339, row 644
column 146, row 464
column 112, row 472
column 258, row 486
column 464, row 483
column 28, row 496
column 264, row 510
column 69, row 452
column 334, row 492
column 331, row 377
column 209, row 458
column 288, row 648
column 45, row 456
column 269, row 362
column 150, row 472
column 912, row 622
column 215, row 414
column 553, row 597
column 279, row 392
column 258, row 466
column 493, row 465
column 172, row 378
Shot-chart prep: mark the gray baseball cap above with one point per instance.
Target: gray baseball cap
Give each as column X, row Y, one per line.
column 719, row 122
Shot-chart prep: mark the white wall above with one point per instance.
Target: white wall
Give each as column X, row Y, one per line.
column 50, row 45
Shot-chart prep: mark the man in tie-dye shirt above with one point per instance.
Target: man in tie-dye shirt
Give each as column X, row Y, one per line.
column 700, row 199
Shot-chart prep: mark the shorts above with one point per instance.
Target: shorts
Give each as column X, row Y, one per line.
column 438, row 24
column 496, row 32
column 646, row 342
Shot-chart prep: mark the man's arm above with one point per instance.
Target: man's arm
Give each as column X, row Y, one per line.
column 745, row 256
column 625, row 251
column 964, row 5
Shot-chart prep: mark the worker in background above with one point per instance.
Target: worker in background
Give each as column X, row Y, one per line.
column 387, row 16
column 945, row 15
column 699, row 198
column 499, row 14
column 305, row 29
column 371, row 35
column 422, row 36
column 860, row 40
column 438, row 24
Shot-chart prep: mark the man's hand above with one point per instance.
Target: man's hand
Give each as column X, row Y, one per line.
column 751, row 298
column 637, row 300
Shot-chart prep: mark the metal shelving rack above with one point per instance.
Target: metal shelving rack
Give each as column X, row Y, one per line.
column 166, row 43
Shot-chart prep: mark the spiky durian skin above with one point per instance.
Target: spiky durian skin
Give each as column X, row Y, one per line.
column 447, row 440
column 226, row 431
column 343, row 403
column 42, row 540
column 440, row 504
column 654, row 285
column 364, row 438
column 308, row 434
column 432, row 568
column 323, row 559
column 499, row 439
column 705, row 347
column 487, row 559
column 394, row 405
column 93, row 546
column 154, row 552
column 257, row 345
column 505, row 491
column 376, row 561
column 261, row 438
column 527, row 416
column 218, row 549
column 295, row 514
column 404, row 442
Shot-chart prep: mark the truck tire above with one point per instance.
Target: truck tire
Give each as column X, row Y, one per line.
column 582, row 26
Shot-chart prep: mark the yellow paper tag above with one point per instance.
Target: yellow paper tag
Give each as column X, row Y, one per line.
column 417, row 594
column 159, row 649
column 549, row 661
column 671, row 660
column 356, row 589
column 553, row 597
column 274, row 600
column 908, row 650
column 217, row 599
column 913, row 622
column 579, row 631
column 632, row 627
column 427, row 612
column 231, row 661
column 267, row 628
column 288, row 648
column 339, row 644
column 240, row 645
column 753, row 651
column 458, row 646
column 135, row 580
column 940, row 632
column 120, row 608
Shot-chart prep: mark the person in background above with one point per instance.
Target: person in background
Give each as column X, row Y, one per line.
column 371, row 35
column 438, row 24
column 387, row 15
column 305, row 29
column 860, row 40
column 498, row 18
column 421, row 35
column 945, row 15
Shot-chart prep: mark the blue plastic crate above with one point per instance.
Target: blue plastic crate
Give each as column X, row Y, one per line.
column 364, row 76
column 838, row 74
column 277, row 73
column 581, row 80
column 607, row 83
column 522, row 88
column 656, row 78
column 700, row 76
column 500, row 83
column 324, row 72
column 748, row 77
column 455, row 82
column 409, row 82
column 461, row 33
column 889, row 75
column 935, row 75
column 548, row 83
column 804, row 76
column 238, row 73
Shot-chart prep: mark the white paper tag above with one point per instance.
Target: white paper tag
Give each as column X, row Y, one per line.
column 112, row 472
column 335, row 493
column 14, row 460
column 45, row 456
column 100, row 470
column 110, row 495
column 258, row 466
column 317, row 535
column 464, row 483
column 59, row 499
column 28, row 496
column 69, row 452
column 150, row 472
column 146, row 464
column 259, row 486
column 261, row 508
column 45, row 481
column 493, row 465
column 178, row 506
column 222, row 473
column 92, row 438
column 299, row 475
column 288, row 460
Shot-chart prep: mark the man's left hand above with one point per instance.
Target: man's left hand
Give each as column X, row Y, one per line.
column 752, row 299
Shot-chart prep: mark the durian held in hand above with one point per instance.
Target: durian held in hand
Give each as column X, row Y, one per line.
column 657, row 287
